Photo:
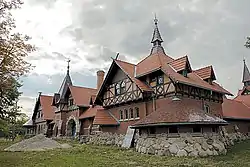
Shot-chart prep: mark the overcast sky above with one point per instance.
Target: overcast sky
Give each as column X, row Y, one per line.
column 90, row 32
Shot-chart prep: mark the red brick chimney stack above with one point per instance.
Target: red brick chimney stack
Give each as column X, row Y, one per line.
column 100, row 78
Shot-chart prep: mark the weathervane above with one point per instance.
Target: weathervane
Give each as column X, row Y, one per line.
column 68, row 65
column 155, row 20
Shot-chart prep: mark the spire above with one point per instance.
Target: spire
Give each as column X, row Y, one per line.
column 246, row 74
column 156, row 39
column 68, row 67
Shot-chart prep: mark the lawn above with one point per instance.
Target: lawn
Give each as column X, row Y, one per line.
column 88, row 155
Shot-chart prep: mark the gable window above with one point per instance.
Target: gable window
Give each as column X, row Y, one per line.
column 137, row 114
column 173, row 129
column 126, row 114
column 117, row 89
column 131, row 113
column 197, row 130
column 206, row 108
column 71, row 102
column 123, row 87
column 121, row 115
column 160, row 80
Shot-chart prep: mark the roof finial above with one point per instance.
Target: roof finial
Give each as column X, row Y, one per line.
column 155, row 20
column 68, row 66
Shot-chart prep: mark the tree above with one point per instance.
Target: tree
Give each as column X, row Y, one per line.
column 14, row 49
column 247, row 42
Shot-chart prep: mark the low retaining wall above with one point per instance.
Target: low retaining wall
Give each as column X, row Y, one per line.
column 105, row 139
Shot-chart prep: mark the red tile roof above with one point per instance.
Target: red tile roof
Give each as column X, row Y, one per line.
column 245, row 99
column 180, row 63
column 90, row 112
column 179, row 112
column 129, row 69
column 82, row 95
column 151, row 63
column 192, row 79
column 235, row 109
column 206, row 72
column 104, row 118
column 47, row 109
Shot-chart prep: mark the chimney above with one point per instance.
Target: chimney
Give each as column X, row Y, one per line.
column 100, row 77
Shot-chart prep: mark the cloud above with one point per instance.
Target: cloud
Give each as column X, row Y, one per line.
column 209, row 32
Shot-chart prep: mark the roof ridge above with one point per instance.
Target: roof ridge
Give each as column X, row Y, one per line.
column 179, row 58
column 83, row 87
column 125, row 62
column 204, row 67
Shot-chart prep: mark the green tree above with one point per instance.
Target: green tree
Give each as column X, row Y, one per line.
column 14, row 49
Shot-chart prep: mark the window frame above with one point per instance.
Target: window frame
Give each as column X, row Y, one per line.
column 131, row 113
column 207, row 109
column 121, row 114
column 126, row 115
column 137, row 113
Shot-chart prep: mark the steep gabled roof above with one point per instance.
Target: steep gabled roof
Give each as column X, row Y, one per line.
column 179, row 112
column 28, row 123
column 90, row 112
column 245, row 99
column 82, row 95
column 246, row 73
column 206, row 72
column 47, row 109
column 233, row 109
column 104, row 118
column 181, row 64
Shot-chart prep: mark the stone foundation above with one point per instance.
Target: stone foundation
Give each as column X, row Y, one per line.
column 105, row 139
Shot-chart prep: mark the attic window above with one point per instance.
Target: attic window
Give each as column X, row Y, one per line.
column 71, row 102
column 117, row 89
column 160, row 80
column 184, row 72
column 120, row 88
column 123, row 87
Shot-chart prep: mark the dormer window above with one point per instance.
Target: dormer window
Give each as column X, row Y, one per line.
column 184, row 73
column 160, row 80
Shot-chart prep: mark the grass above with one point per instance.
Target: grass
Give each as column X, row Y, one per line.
column 88, row 155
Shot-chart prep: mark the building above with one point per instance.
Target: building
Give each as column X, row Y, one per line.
column 42, row 117
column 67, row 113
column 237, row 111
column 160, row 94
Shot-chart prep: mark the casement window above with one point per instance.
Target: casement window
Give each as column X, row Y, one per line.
column 126, row 114
column 173, row 129
column 160, row 80
column 137, row 113
column 184, row 72
column 131, row 113
column 71, row 102
column 123, row 87
column 117, row 89
column 206, row 108
column 197, row 129
column 121, row 115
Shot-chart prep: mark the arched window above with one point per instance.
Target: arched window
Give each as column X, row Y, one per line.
column 126, row 114
column 206, row 108
column 137, row 113
column 131, row 113
column 121, row 115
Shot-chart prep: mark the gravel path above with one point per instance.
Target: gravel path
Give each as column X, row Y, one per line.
column 36, row 143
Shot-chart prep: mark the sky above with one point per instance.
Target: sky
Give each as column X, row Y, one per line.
column 90, row 32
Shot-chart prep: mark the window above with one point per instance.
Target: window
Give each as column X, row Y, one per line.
column 126, row 113
column 121, row 115
column 214, row 129
column 206, row 108
column 137, row 114
column 71, row 102
column 197, row 130
column 160, row 80
column 173, row 129
column 117, row 89
column 131, row 113
column 123, row 87
column 184, row 73
column 41, row 114
column 152, row 130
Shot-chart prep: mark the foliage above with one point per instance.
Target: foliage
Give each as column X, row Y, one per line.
column 88, row 155
column 14, row 49
column 247, row 42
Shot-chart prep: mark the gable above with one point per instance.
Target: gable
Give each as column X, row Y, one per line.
column 118, row 75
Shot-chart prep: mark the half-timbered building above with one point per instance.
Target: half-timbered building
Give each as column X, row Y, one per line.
column 159, row 94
